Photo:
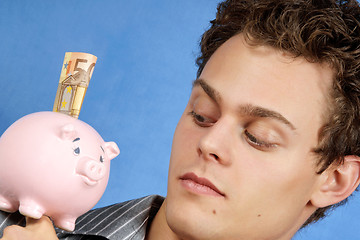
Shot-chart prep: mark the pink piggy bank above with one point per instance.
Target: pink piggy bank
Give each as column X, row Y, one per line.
column 55, row 165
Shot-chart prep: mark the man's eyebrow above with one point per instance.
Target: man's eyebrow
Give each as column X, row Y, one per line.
column 102, row 149
column 210, row 91
column 260, row 112
column 76, row 139
column 247, row 109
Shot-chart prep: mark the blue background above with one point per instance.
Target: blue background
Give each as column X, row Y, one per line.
column 146, row 53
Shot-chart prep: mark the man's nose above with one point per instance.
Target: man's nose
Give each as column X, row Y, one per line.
column 216, row 143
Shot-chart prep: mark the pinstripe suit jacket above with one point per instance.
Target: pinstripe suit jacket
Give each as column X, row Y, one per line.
column 125, row 221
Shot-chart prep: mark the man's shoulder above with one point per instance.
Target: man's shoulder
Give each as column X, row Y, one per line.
column 120, row 220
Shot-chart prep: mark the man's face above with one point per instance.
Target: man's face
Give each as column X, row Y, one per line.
column 242, row 165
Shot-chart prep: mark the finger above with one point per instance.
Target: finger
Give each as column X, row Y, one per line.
column 44, row 221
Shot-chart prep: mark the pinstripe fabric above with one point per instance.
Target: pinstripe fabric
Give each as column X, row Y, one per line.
column 123, row 221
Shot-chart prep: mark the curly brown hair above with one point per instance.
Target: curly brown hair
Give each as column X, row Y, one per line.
column 322, row 31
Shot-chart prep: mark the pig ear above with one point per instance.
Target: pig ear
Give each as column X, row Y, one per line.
column 67, row 132
column 111, row 149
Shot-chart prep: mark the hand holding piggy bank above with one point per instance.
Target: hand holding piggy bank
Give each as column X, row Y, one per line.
column 55, row 165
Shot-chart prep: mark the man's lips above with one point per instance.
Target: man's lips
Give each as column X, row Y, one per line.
column 200, row 185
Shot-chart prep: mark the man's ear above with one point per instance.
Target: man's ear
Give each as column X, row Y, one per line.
column 337, row 182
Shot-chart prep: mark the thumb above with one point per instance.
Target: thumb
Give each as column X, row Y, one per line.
column 43, row 222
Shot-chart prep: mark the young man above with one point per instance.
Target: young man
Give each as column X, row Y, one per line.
column 270, row 137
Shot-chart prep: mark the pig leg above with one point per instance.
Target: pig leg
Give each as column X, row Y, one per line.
column 8, row 205
column 31, row 209
column 67, row 223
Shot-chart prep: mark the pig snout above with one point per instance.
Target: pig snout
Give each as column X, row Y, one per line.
column 90, row 170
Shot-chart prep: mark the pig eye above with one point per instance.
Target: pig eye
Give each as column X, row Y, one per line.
column 75, row 147
column 101, row 157
column 77, row 151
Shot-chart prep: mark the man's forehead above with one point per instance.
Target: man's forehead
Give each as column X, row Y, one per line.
column 239, row 45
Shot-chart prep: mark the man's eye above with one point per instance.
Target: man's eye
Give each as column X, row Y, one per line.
column 101, row 159
column 201, row 120
column 197, row 117
column 259, row 144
